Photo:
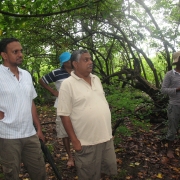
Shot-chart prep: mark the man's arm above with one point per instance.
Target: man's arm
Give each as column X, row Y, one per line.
column 70, row 131
column 36, row 122
column 46, row 86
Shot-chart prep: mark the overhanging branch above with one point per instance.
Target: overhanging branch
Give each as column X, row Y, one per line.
column 47, row 14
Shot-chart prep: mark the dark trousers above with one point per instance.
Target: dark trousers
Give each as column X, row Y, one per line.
column 26, row 150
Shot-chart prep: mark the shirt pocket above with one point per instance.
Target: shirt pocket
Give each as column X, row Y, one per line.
column 27, row 89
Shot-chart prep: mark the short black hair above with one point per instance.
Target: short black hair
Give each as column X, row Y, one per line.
column 4, row 42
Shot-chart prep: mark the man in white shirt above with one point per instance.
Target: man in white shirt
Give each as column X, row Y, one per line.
column 86, row 117
column 19, row 140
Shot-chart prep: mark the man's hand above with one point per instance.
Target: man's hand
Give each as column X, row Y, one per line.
column 40, row 135
column 76, row 145
column 55, row 93
column 70, row 131
column 1, row 115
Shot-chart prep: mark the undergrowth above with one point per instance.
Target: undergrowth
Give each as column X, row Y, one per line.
column 123, row 105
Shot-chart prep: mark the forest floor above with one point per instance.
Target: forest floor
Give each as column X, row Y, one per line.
column 141, row 156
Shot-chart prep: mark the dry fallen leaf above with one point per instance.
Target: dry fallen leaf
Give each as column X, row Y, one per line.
column 47, row 165
column 137, row 163
column 64, row 158
column 132, row 165
column 58, row 155
column 159, row 176
column 164, row 160
column 175, row 169
column 117, row 150
column 119, row 161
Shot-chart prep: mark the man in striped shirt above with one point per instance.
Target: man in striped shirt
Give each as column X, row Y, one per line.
column 171, row 87
column 19, row 140
column 57, row 76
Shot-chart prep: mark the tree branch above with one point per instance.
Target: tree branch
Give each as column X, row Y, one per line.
column 47, row 14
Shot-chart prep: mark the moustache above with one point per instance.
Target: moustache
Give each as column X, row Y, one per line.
column 19, row 59
column 90, row 66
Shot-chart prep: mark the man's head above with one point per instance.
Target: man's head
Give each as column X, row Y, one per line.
column 64, row 57
column 176, row 56
column 11, row 51
column 82, row 62
column 4, row 42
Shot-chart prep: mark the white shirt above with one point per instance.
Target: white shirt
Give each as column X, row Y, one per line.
column 16, row 102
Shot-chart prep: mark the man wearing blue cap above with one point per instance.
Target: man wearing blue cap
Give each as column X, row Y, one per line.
column 57, row 76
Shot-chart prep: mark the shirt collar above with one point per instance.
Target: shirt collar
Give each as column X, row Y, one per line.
column 78, row 78
column 7, row 69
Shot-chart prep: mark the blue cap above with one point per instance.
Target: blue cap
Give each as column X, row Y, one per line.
column 64, row 57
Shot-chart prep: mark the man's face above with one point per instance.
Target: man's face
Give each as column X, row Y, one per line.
column 85, row 65
column 13, row 55
column 67, row 64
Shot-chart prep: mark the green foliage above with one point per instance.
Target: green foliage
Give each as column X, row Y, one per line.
column 38, row 67
column 122, row 174
column 2, row 176
column 161, row 67
column 123, row 103
column 123, row 130
column 50, row 147
column 117, row 140
column 143, row 125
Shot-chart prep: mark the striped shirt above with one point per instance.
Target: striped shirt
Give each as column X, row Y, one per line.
column 56, row 76
column 170, row 83
column 16, row 102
